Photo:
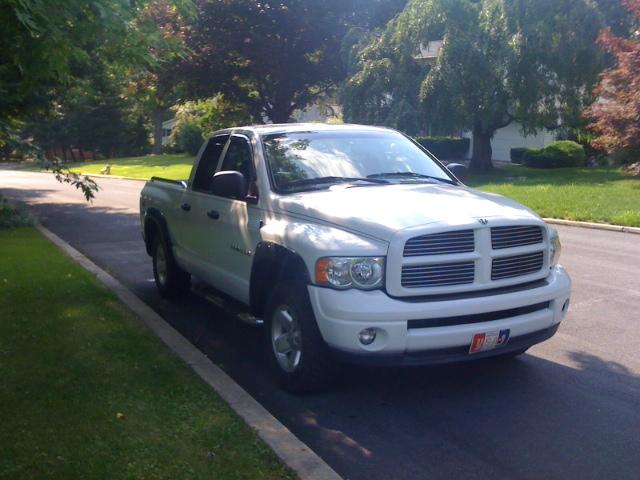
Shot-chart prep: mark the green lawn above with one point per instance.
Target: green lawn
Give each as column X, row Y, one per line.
column 172, row 166
column 89, row 392
column 588, row 194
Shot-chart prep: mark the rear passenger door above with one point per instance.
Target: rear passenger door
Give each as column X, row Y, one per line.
column 191, row 236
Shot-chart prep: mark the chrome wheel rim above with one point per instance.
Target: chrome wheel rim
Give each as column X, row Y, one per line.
column 161, row 265
column 286, row 338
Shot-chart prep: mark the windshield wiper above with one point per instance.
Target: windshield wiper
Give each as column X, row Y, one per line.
column 409, row 175
column 332, row 179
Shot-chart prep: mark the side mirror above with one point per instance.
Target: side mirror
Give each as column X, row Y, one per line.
column 230, row 184
column 458, row 170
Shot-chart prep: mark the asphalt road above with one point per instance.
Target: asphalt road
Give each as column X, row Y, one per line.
column 570, row 408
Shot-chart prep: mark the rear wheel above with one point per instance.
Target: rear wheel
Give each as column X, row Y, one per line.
column 299, row 357
column 171, row 280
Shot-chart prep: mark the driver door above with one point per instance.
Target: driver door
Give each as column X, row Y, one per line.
column 228, row 228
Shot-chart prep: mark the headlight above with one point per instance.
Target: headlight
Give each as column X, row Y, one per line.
column 554, row 247
column 365, row 273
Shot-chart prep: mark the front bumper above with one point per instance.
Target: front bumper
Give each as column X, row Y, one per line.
column 341, row 315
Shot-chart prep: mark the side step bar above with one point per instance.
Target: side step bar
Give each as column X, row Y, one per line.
column 229, row 305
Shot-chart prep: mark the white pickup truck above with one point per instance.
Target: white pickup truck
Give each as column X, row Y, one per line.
column 354, row 243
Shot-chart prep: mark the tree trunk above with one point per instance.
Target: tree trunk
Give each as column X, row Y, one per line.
column 481, row 156
column 158, row 113
column 280, row 113
column 6, row 152
column 73, row 155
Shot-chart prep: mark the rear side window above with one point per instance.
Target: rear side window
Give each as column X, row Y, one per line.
column 209, row 163
column 238, row 157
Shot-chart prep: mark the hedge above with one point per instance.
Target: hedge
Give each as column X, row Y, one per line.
column 445, row 147
column 563, row 153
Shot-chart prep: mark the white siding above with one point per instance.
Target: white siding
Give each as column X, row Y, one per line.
column 511, row 137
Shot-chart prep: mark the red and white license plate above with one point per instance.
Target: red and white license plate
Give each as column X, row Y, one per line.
column 484, row 341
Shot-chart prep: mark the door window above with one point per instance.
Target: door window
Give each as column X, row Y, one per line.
column 238, row 157
column 208, row 163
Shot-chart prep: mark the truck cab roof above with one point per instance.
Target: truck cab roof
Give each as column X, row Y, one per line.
column 267, row 129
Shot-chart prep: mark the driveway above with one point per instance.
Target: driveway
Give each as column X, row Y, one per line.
column 570, row 408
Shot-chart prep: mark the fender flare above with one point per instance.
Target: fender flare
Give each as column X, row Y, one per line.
column 154, row 216
column 273, row 263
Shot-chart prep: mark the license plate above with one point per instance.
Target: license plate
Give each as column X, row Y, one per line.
column 484, row 341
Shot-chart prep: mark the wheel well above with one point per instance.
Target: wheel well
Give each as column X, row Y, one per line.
column 153, row 226
column 273, row 264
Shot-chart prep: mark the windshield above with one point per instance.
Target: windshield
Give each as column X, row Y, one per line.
column 313, row 160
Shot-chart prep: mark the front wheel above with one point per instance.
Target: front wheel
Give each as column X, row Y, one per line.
column 299, row 357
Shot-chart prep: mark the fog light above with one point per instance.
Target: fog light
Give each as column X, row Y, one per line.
column 565, row 307
column 367, row 336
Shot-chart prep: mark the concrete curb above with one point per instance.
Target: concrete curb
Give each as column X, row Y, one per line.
column 596, row 226
column 291, row 451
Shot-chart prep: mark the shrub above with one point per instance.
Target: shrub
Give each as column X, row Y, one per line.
column 516, row 154
column 11, row 216
column 445, row 147
column 561, row 154
column 188, row 138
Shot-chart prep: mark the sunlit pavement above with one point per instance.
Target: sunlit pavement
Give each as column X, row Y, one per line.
column 570, row 408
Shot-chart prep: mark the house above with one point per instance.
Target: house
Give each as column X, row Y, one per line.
column 323, row 110
column 167, row 130
column 505, row 138
column 510, row 137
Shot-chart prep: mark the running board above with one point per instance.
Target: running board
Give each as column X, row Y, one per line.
column 230, row 306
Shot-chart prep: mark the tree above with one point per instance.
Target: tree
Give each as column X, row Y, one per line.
column 383, row 87
column 615, row 114
column 156, row 84
column 47, row 46
column 533, row 61
column 92, row 118
column 52, row 48
column 275, row 57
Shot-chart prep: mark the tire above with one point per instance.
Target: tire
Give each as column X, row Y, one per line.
column 300, row 360
column 171, row 280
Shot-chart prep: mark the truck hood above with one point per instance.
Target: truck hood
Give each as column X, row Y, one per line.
column 381, row 211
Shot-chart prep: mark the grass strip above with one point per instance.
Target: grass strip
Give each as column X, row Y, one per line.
column 88, row 392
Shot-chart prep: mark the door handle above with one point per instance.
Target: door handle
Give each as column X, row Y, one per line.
column 186, row 207
column 213, row 214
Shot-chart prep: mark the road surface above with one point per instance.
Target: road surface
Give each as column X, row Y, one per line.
column 569, row 408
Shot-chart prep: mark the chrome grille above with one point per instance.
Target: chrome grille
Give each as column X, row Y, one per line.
column 460, row 241
column 515, row 236
column 516, row 266
column 438, row 275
